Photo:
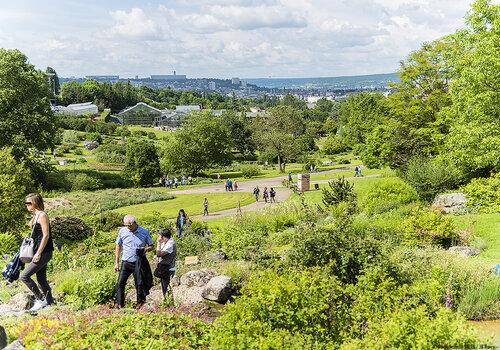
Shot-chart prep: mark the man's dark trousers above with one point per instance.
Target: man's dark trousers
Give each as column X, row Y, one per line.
column 125, row 272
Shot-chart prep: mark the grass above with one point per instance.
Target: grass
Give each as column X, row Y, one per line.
column 191, row 203
column 487, row 228
column 158, row 133
column 92, row 202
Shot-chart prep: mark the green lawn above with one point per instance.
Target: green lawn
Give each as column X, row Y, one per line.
column 159, row 133
column 191, row 203
column 487, row 228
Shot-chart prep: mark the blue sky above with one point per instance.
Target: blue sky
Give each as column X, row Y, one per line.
column 225, row 38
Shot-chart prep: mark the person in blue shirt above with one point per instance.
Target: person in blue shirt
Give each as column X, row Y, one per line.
column 132, row 240
column 180, row 222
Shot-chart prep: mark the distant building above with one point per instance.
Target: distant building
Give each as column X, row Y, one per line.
column 76, row 109
column 169, row 77
column 235, row 81
column 243, row 83
column 211, row 85
column 103, row 77
column 140, row 114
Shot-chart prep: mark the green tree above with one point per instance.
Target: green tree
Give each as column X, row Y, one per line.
column 142, row 165
column 15, row 183
column 278, row 133
column 241, row 133
column 201, row 143
column 27, row 123
column 54, row 84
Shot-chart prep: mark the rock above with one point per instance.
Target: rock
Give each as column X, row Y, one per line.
column 3, row 338
column 450, row 202
column 464, row 250
column 197, row 278
column 90, row 145
column 175, row 281
column 184, row 295
column 218, row 256
column 16, row 345
column 22, row 301
column 218, row 289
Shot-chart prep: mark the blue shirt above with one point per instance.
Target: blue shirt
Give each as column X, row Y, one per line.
column 130, row 241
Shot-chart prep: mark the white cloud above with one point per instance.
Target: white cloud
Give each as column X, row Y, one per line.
column 135, row 24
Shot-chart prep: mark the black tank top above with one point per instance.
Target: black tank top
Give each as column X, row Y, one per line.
column 37, row 238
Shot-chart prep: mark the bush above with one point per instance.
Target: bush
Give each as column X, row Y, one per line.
column 482, row 301
column 430, row 177
column 387, row 195
column 71, row 136
column 192, row 244
column 142, row 165
column 426, row 226
column 102, row 328
column 107, row 221
column 9, row 243
column 250, row 170
column 84, row 182
column 304, row 304
column 83, row 289
column 111, row 153
column 69, row 228
column 484, row 194
column 78, row 152
column 94, row 136
column 334, row 145
column 340, row 191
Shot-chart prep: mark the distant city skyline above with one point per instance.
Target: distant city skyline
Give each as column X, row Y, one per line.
column 225, row 38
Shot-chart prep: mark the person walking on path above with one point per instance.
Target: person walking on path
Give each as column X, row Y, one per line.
column 272, row 194
column 176, row 182
column 190, row 180
column 205, row 207
column 256, row 192
column 229, row 184
column 235, row 185
column 180, row 222
column 43, row 248
column 290, row 177
column 132, row 242
column 265, row 194
column 166, row 251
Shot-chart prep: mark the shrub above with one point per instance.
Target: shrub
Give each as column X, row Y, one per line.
column 102, row 328
column 151, row 135
column 334, row 145
column 142, row 165
column 430, row 227
column 94, row 136
column 69, row 228
column 482, row 301
column 111, row 153
column 9, row 243
column 71, row 136
column 430, row 177
column 192, row 244
column 484, row 194
column 307, row 304
column 78, row 152
column 387, row 195
column 340, row 191
column 84, row 182
column 250, row 170
column 84, row 289
column 106, row 221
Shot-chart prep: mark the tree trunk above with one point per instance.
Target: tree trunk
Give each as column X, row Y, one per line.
column 281, row 165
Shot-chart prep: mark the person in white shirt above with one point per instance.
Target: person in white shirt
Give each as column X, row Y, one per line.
column 166, row 250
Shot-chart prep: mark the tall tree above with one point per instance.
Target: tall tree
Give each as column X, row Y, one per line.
column 54, row 84
column 142, row 165
column 202, row 142
column 277, row 133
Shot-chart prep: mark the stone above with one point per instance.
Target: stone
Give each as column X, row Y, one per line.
column 218, row 256
column 191, row 260
column 450, row 202
column 187, row 296
column 90, row 145
column 15, row 345
column 3, row 338
column 175, row 281
column 197, row 278
column 464, row 250
column 22, row 301
column 218, row 289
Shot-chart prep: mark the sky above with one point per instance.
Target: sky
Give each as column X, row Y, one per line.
column 224, row 38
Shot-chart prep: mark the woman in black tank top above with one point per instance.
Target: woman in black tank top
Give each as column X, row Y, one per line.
column 43, row 248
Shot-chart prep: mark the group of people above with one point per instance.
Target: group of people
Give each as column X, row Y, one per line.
column 132, row 243
column 267, row 195
column 165, row 181
column 230, row 185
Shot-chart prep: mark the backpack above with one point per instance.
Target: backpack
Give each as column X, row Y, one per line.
column 13, row 269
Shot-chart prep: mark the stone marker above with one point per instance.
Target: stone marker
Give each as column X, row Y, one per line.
column 191, row 260
column 218, row 289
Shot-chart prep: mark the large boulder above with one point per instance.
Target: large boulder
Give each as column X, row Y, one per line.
column 218, row 289
column 450, row 202
column 16, row 345
column 464, row 250
column 197, row 278
column 22, row 301
column 187, row 296
column 3, row 338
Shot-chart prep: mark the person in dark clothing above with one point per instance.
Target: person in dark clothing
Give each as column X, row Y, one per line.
column 166, row 251
column 132, row 243
column 43, row 249
column 180, row 222
column 272, row 194
column 205, row 207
